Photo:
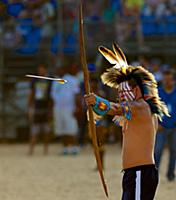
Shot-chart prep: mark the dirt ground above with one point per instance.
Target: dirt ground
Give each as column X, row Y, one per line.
column 55, row 177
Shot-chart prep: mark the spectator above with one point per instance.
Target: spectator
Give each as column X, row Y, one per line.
column 39, row 109
column 47, row 14
column 116, row 5
column 15, row 8
column 3, row 10
column 156, row 69
column 132, row 8
column 144, row 62
column 158, row 8
column 64, row 99
column 167, row 129
column 108, row 15
column 10, row 38
column 69, row 12
column 24, row 23
column 161, row 10
column 172, row 6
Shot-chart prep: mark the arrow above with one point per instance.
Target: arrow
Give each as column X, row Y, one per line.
column 61, row 81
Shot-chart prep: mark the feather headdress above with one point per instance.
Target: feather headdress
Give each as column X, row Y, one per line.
column 122, row 72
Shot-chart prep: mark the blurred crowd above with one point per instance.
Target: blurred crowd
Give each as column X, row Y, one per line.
column 27, row 25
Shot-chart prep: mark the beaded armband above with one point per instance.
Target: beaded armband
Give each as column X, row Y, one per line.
column 102, row 106
column 126, row 110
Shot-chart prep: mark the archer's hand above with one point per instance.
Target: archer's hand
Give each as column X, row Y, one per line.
column 90, row 99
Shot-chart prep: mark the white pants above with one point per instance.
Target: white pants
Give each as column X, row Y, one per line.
column 64, row 122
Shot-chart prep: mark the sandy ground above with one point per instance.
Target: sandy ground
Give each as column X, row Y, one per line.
column 56, row 177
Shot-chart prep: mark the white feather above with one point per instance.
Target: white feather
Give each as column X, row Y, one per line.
column 117, row 66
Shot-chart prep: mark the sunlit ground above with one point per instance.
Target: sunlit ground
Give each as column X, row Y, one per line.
column 55, row 177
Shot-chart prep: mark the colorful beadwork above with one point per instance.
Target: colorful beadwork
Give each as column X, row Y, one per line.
column 102, row 106
column 126, row 110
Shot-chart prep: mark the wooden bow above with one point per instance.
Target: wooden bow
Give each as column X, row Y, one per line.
column 87, row 90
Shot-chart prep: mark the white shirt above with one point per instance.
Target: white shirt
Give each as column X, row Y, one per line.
column 64, row 95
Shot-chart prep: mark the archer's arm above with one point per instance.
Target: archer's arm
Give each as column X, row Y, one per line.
column 102, row 106
column 115, row 109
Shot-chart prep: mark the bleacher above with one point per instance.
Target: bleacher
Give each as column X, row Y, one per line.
column 30, row 47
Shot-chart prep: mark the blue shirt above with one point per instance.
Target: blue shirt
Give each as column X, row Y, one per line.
column 14, row 9
column 170, row 101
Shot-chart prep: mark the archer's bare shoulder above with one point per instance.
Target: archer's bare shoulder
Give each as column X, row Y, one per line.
column 141, row 103
column 139, row 106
